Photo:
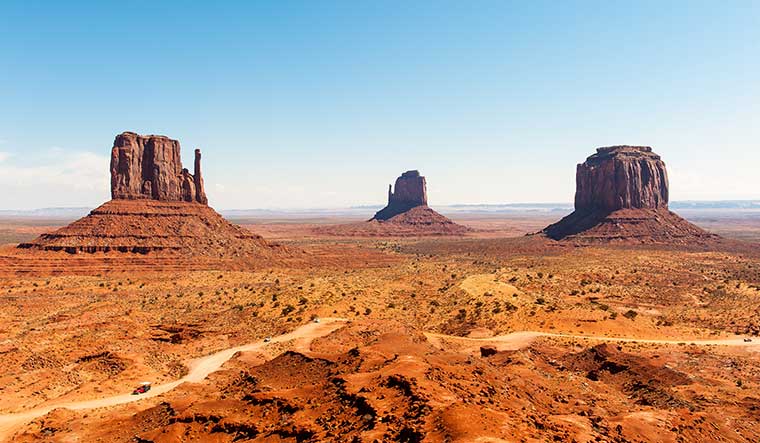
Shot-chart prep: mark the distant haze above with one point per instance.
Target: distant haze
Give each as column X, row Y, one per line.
column 727, row 206
column 300, row 104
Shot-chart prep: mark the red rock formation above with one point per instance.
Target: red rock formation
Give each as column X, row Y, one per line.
column 622, row 177
column 407, row 215
column 200, row 190
column 149, row 167
column 157, row 206
column 410, row 191
column 622, row 195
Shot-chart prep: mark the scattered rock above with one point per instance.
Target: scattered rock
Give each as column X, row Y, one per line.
column 487, row 351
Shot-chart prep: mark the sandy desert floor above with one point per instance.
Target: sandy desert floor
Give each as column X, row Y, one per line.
column 490, row 337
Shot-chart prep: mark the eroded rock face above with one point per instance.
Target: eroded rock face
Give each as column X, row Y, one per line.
column 409, row 192
column 149, row 167
column 622, row 177
column 410, row 188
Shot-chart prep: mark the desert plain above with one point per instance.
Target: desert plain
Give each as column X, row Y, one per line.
column 491, row 336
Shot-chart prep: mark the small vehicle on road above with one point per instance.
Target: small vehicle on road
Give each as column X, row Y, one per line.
column 316, row 319
column 267, row 339
column 747, row 340
column 142, row 389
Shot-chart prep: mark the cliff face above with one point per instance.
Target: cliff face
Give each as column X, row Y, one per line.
column 409, row 192
column 410, row 189
column 622, row 177
column 149, row 167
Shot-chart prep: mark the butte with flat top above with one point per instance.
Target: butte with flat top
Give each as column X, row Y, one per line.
column 157, row 205
column 622, row 196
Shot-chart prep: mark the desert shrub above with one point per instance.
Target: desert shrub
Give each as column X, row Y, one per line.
column 287, row 310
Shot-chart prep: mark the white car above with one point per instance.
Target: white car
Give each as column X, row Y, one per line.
column 267, row 339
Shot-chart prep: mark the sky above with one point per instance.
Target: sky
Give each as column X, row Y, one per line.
column 320, row 104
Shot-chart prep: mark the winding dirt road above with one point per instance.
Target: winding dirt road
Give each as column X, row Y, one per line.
column 200, row 368
column 518, row 340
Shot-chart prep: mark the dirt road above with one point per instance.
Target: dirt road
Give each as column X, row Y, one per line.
column 199, row 369
column 202, row 367
column 518, row 340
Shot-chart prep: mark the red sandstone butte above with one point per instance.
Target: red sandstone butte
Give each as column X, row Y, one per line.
column 410, row 191
column 622, row 177
column 157, row 206
column 407, row 215
column 149, row 167
column 622, row 195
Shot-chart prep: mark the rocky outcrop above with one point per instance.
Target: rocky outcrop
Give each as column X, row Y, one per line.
column 157, row 207
column 149, row 167
column 622, row 196
column 409, row 192
column 200, row 190
column 622, row 177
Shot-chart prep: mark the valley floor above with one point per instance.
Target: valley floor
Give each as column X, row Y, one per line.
column 486, row 337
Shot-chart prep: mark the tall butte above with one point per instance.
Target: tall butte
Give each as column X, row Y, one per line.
column 622, row 195
column 156, row 205
column 149, row 167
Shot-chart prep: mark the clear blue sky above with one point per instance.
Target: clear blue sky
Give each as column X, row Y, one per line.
column 322, row 104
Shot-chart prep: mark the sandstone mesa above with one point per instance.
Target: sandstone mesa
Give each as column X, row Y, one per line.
column 622, row 195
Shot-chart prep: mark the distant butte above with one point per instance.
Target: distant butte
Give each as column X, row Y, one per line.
column 156, row 206
column 622, row 195
column 410, row 192
column 406, row 215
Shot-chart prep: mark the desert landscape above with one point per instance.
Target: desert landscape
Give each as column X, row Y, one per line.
column 635, row 325
column 379, row 222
